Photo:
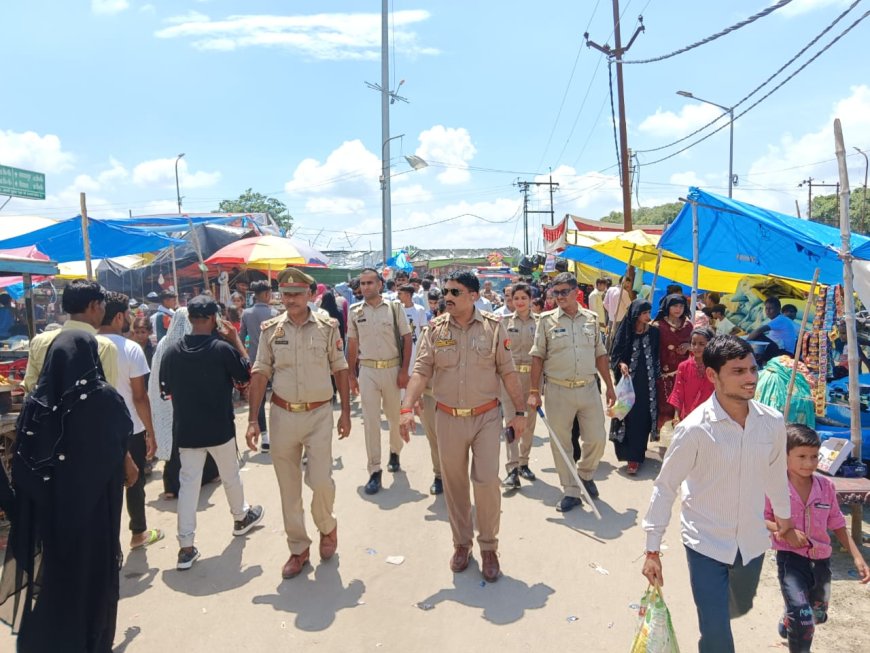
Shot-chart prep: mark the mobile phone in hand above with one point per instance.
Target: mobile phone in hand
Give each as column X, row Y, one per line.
column 509, row 434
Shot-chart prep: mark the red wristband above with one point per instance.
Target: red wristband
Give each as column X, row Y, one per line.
column 406, row 411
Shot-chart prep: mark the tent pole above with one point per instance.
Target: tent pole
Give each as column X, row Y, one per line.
column 86, row 240
column 174, row 270
column 695, row 257
column 28, row 305
column 849, row 317
column 797, row 351
column 652, row 291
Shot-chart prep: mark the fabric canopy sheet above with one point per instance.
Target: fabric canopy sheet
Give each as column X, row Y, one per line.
column 63, row 242
column 746, row 239
column 162, row 224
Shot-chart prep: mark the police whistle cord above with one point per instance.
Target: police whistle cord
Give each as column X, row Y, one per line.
column 572, row 467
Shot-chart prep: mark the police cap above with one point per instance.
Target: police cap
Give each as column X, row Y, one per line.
column 292, row 280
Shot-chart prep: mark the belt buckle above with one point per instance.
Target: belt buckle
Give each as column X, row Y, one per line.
column 578, row 384
column 463, row 412
column 298, row 408
column 381, row 365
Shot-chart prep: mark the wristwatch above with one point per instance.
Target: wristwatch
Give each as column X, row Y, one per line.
column 521, row 413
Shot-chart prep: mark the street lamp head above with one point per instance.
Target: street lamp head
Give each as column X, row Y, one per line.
column 685, row 94
column 181, row 155
column 416, row 162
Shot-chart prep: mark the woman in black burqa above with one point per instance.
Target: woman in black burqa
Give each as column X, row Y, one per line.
column 636, row 353
column 59, row 586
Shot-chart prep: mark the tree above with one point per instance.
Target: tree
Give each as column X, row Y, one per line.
column 664, row 213
column 251, row 202
column 826, row 210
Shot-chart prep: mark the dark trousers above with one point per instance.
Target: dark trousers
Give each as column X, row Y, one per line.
column 806, row 589
column 136, row 492
column 722, row 592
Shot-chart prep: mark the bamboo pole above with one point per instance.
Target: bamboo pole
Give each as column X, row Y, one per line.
column 695, row 259
column 797, row 352
column 849, row 317
column 86, row 240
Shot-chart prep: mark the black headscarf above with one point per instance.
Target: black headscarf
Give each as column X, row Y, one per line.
column 67, row 476
column 621, row 351
column 672, row 300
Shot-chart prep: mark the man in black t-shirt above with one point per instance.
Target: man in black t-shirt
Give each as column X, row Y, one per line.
column 198, row 374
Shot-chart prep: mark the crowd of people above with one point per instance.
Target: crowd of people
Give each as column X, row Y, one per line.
column 115, row 389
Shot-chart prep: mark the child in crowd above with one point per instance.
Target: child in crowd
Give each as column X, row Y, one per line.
column 805, row 573
column 692, row 387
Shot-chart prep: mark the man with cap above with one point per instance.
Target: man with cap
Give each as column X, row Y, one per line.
column 298, row 352
column 198, row 374
column 161, row 320
column 568, row 351
column 378, row 335
column 467, row 355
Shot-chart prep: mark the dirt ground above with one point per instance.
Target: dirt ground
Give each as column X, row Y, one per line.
column 569, row 581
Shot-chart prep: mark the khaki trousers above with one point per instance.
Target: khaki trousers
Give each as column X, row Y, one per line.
column 456, row 437
column 377, row 387
column 290, row 433
column 518, row 451
column 561, row 405
column 428, row 421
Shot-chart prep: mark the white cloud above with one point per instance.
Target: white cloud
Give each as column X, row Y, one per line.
column 336, row 36
column 587, row 194
column 161, row 172
column 349, row 170
column 800, row 7
column 34, row 152
column 443, row 146
column 109, row 6
column 667, row 124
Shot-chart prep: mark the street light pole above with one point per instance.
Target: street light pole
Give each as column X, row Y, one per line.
column 730, row 111
column 864, row 194
column 177, row 187
column 386, row 200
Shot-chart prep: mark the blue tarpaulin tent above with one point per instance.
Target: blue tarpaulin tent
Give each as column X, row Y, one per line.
column 63, row 241
column 165, row 224
column 738, row 237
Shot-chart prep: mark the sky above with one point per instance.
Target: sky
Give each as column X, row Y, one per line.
column 102, row 95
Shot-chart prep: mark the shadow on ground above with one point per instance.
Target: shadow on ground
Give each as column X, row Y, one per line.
column 215, row 574
column 398, row 493
column 315, row 596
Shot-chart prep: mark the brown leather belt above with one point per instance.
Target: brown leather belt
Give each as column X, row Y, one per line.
column 467, row 412
column 296, row 408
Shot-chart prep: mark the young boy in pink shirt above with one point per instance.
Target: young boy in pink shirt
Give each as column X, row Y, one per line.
column 805, row 573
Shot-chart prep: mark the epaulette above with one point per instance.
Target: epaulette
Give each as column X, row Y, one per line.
column 589, row 313
column 441, row 319
column 490, row 316
column 325, row 319
column 548, row 313
column 272, row 321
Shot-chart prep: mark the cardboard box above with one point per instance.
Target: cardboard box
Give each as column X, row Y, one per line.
column 832, row 454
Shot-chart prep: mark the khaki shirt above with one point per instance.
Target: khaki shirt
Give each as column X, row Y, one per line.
column 465, row 364
column 40, row 344
column 300, row 359
column 522, row 336
column 568, row 346
column 372, row 327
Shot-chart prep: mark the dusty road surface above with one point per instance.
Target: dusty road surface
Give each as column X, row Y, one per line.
column 569, row 582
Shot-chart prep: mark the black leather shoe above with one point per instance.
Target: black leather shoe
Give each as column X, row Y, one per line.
column 393, row 465
column 374, row 484
column 591, row 488
column 527, row 473
column 568, row 503
column 437, row 487
column 512, row 480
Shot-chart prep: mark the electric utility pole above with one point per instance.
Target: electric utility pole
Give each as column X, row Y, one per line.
column 524, row 189
column 812, row 182
column 616, row 55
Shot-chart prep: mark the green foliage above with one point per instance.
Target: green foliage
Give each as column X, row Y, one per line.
column 826, row 210
column 664, row 213
column 251, row 202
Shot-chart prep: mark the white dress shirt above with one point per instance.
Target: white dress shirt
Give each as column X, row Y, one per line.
column 725, row 471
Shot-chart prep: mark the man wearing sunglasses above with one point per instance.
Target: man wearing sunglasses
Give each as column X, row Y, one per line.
column 568, row 351
column 467, row 355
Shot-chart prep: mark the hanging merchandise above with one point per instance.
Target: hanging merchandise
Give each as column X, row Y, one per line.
column 812, row 351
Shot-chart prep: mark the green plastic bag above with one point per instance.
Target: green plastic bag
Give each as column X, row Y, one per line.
column 655, row 632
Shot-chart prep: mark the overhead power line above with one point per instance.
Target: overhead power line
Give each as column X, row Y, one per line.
column 768, row 94
column 760, row 86
column 713, row 37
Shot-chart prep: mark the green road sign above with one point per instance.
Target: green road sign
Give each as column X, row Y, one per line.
column 22, row 183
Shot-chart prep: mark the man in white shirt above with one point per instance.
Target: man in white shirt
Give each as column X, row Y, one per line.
column 596, row 301
column 131, row 385
column 726, row 455
column 483, row 304
column 508, row 307
column 416, row 315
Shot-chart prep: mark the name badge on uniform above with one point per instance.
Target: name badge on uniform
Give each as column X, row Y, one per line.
column 561, row 331
column 281, row 342
column 445, row 343
column 360, row 320
column 513, row 330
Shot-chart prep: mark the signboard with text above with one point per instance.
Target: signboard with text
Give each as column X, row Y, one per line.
column 22, row 183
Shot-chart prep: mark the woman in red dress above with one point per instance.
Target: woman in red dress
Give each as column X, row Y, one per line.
column 675, row 334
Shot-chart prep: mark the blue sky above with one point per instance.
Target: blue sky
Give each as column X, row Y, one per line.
column 102, row 94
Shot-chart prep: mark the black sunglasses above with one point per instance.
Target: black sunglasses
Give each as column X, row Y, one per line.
column 562, row 293
column 454, row 291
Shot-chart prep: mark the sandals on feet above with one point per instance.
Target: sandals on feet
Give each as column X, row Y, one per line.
column 154, row 535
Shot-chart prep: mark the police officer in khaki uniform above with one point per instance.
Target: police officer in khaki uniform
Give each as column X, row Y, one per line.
column 298, row 352
column 466, row 353
column 568, row 350
column 520, row 326
column 374, row 328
